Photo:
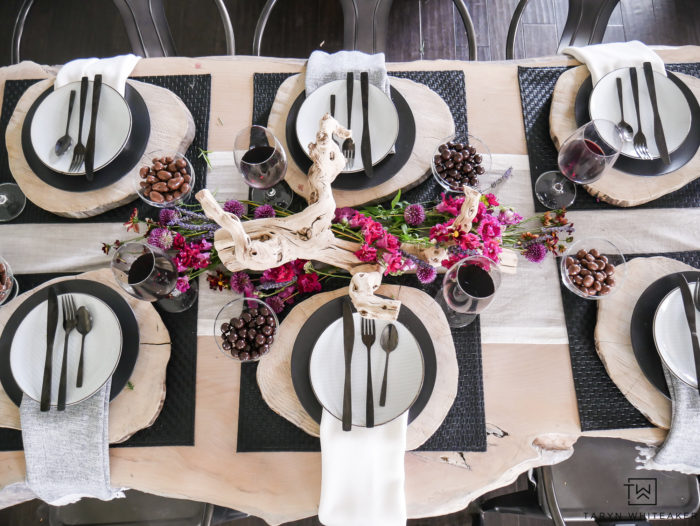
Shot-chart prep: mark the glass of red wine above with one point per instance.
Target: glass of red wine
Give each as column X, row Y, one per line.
column 468, row 288
column 262, row 162
column 149, row 274
column 8, row 282
column 583, row 158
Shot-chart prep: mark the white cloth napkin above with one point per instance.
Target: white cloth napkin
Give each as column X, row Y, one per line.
column 362, row 481
column 67, row 452
column 681, row 449
column 323, row 68
column 601, row 59
column 114, row 70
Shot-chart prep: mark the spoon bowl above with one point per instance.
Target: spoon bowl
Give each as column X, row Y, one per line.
column 389, row 341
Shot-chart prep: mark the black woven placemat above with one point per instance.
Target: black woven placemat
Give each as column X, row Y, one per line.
column 601, row 405
column 536, row 88
column 175, row 423
column 195, row 92
column 464, row 428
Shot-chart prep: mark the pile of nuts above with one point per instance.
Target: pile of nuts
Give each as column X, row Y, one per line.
column 590, row 272
column 459, row 164
column 166, row 180
column 250, row 335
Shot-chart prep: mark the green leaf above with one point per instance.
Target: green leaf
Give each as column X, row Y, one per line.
column 130, row 386
column 404, row 228
column 396, row 199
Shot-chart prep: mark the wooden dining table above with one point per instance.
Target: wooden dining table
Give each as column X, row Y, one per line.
column 530, row 401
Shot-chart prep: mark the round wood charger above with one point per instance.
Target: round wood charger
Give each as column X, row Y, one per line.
column 172, row 129
column 616, row 187
column 274, row 373
column 132, row 409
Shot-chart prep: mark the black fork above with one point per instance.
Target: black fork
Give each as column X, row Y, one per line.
column 369, row 336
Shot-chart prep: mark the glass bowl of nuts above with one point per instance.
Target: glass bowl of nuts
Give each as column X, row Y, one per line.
column 457, row 163
column 245, row 329
column 166, row 181
column 593, row 268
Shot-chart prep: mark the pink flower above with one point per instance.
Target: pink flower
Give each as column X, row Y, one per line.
column 183, row 283
column 489, row 228
column 394, row 263
column 492, row 249
column 179, row 241
column 509, row 217
column 366, row 253
column 480, row 213
column 358, row 220
column 491, row 199
column 309, row 283
column 469, row 241
column 343, row 215
column 372, row 231
column 388, row 242
column 450, row 205
column 280, row 274
column 441, row 232
column 426, row 274
column 161, row 238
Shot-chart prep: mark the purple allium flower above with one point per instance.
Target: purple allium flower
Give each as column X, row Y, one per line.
column 233, row 206
column 426, row 274
column 343, row 215
column 161, row 238
column 264, row 211
column 167, row 216
column 240, row 282
column 414, row 215
column 535, row 252
column 275, row 303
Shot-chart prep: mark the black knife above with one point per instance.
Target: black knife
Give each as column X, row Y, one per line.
column 51, row 324
column 349, row 342
column 659, row 136
column 90, row 147
column 366, row 147
column 690, row 317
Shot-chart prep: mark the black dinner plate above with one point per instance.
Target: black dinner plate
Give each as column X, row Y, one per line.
column 383, row 170
column 684, row 153
column 642, row 327
column 112, row 172
column 127, row 320
column 320, row 320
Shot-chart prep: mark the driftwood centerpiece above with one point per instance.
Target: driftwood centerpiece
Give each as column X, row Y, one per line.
column 261, row 244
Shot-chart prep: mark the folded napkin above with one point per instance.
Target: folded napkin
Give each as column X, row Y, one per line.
column 67, row 452
column 601, row 59
column 323, row 68
column 114, row 70
column 362, row 481
column 681, row 449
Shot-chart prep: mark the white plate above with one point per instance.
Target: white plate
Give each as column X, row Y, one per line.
column 327, row 372
column 383, row 119
column 672, row 337
column 49, row 124
column 673, row 109
column 103, row 347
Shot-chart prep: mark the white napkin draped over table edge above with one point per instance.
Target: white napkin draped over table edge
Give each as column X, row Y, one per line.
column 362, row 479
column 114, row 71
column 601, row 59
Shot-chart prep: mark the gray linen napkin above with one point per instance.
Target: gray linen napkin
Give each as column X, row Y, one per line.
column 681, row 449
column 67, row 452
column 323, row 68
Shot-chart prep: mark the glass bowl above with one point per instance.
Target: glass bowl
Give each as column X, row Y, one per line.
column 605, row 248
column 160, row 157
column 484, row 180
column 233, row 311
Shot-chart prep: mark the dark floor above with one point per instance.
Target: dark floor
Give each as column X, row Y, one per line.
column 427, row 29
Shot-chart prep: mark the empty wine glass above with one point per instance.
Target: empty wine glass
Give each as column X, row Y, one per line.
column 262, row 162
column 149, row 274
column 468, row 288
column 583, row 158
column 8, row 282
column 12, row 201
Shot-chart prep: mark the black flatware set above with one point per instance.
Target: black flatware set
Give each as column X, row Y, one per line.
column 83, row 154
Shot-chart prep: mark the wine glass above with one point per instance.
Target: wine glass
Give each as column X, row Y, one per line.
column 468, row 288
column 12, row 201
column 149, row 274
column 262, row 162
column 583, row 158
column 8, row 282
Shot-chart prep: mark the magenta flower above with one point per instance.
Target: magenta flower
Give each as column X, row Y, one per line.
column 426, row 274
column 240, row 281
column 167, row 216
column 492, row 249
column 491, row 199
column 366, row 253
column 394, row 263
column 343, row 215
column 509, row 217
column 275, row 303
column 450, row 205
column 309, row 283
column 264, row 211
column 233, row 206
column 359, row 220
column 414, row 215
column 183, row 283
column 489, row 228
column 372, row 231
column 161, row 238
column 535, row 252
column 389, row 242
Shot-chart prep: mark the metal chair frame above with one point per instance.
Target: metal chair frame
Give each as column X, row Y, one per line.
column 585, row 23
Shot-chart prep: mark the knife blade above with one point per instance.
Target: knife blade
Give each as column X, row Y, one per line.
column 349, row 342
column 51, row 324
column 659, row 136
column 689, row 307
column 90, row 147
column 366, row 147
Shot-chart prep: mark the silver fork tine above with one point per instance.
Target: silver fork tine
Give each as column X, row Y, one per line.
column 72, row 306
column 63, row 308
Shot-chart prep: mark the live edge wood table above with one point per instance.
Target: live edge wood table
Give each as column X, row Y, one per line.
column 531, row 409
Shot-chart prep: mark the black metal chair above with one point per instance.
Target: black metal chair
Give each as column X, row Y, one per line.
column 365, row 24
column 600, row 482
column 585, row 23
column 145, row 23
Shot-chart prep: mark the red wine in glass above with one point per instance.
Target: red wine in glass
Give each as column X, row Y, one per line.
column 468, row 288
column 263, row 166
column 582, row 161
column 152, row 276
